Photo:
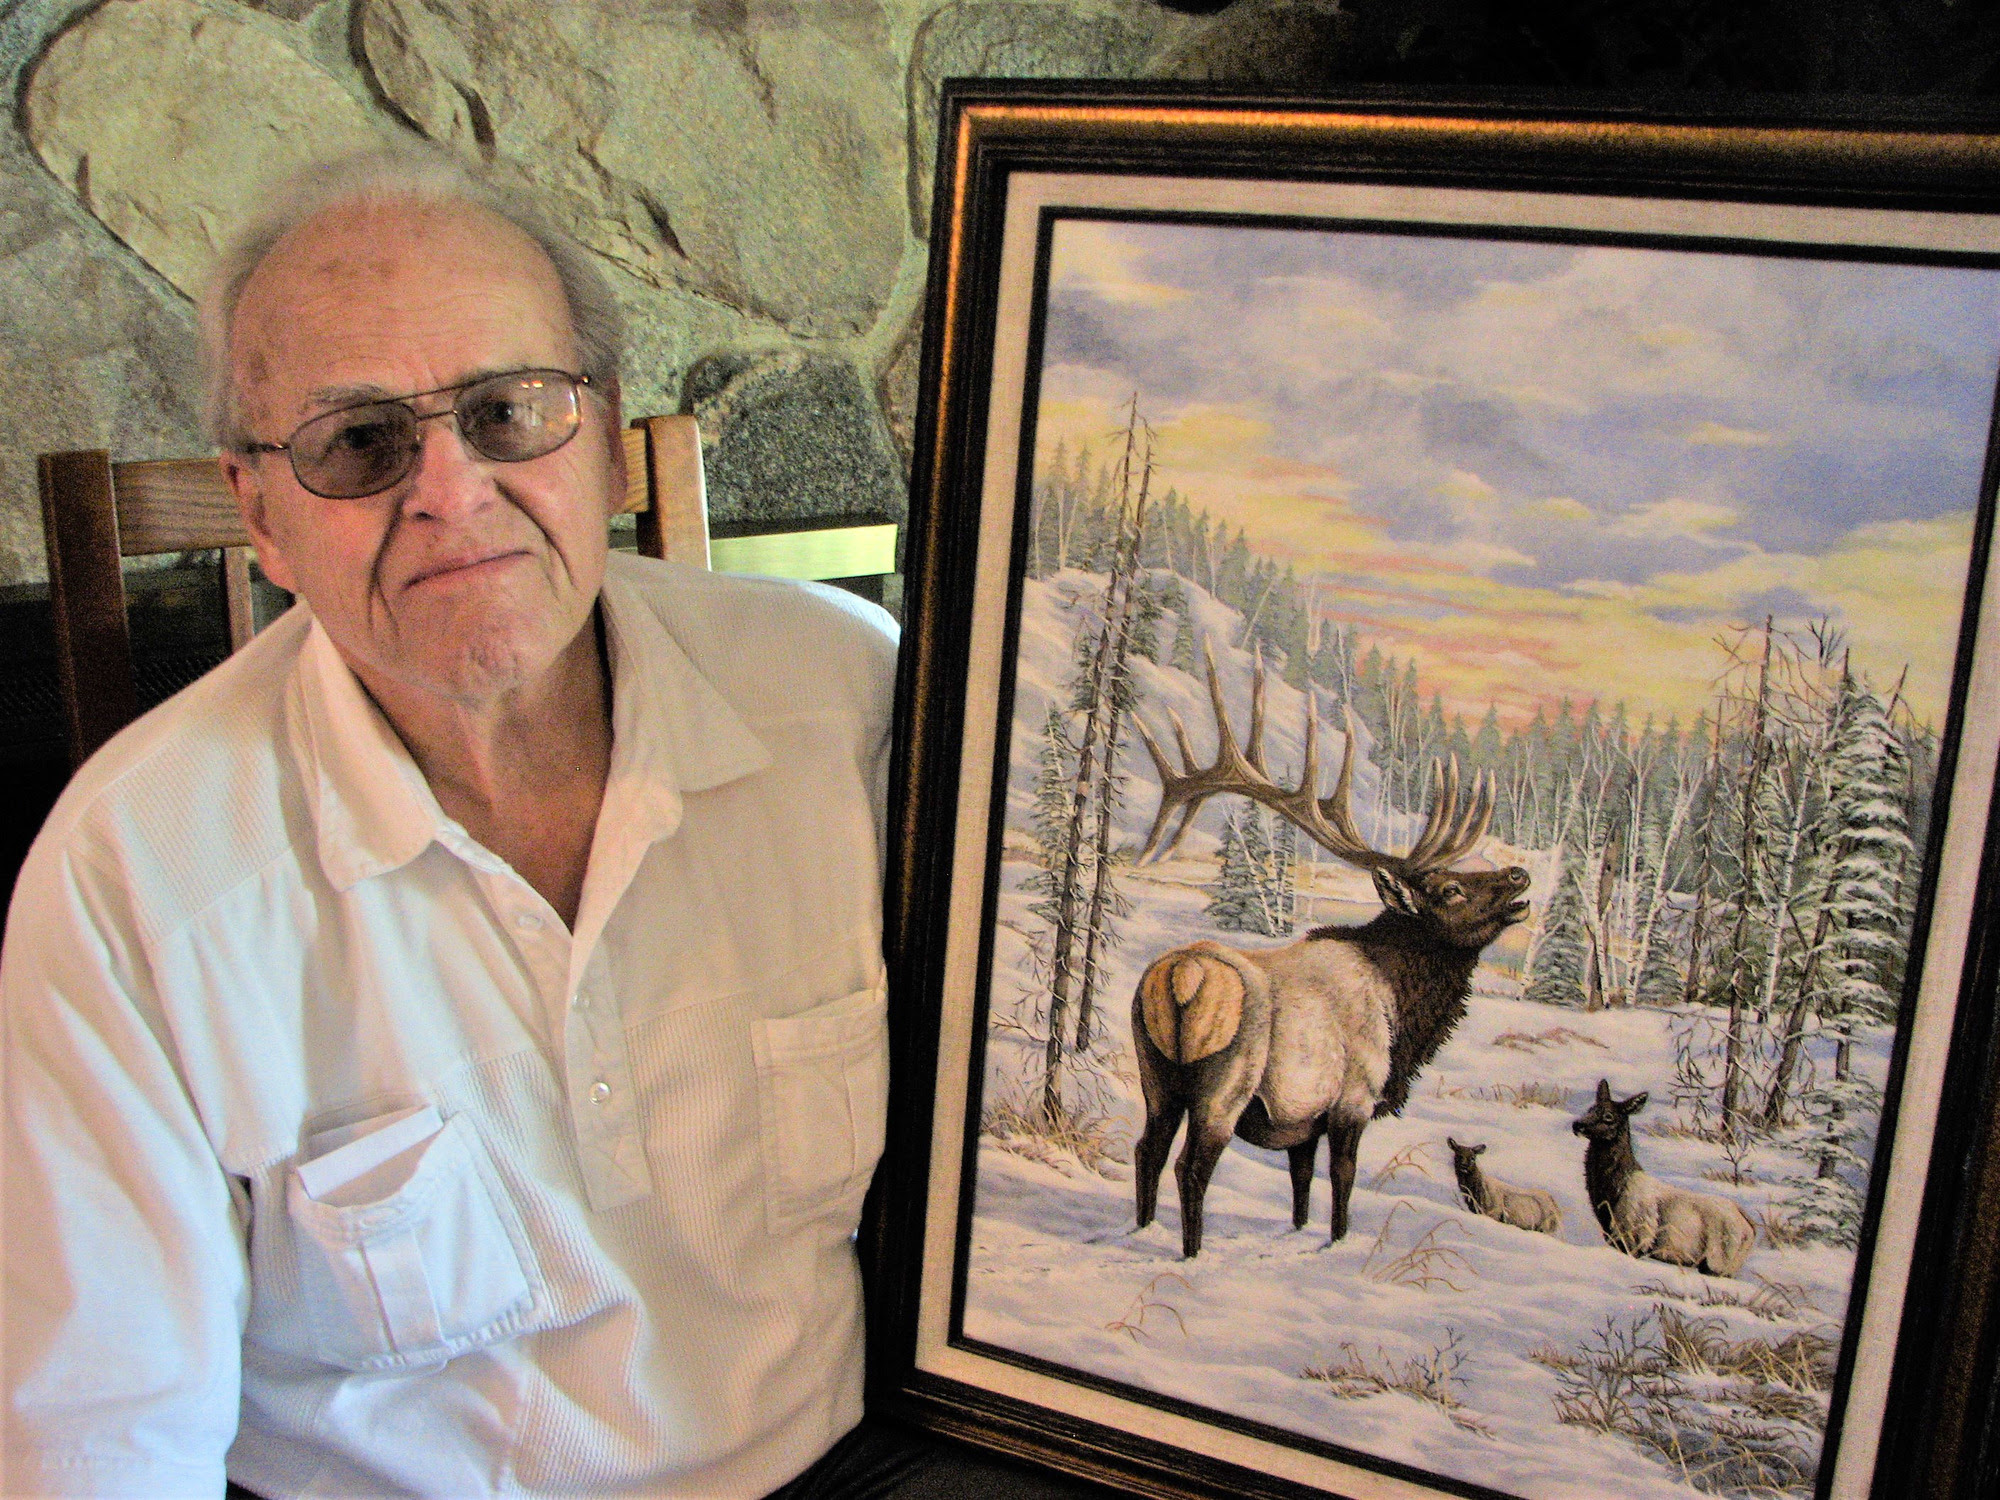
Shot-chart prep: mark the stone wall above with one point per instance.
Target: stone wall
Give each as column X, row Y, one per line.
column 755, row 174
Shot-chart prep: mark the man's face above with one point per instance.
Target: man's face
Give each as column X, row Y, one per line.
column 468, row 578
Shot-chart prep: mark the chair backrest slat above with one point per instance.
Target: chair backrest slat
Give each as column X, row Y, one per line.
column 674, row 525
column 638, row 494
column 175, row 505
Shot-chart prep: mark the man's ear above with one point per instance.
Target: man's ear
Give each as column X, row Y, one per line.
column 239, row 471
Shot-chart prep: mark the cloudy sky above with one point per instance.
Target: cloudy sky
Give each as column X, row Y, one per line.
column 1552, row 470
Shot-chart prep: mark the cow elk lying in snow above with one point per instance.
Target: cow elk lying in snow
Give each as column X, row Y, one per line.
column 1644, row 1216
column 1524, row 1208
column 1285, row 1045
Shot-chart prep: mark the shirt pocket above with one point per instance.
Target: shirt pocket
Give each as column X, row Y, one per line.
column 410, row 1250
column 822, row 1090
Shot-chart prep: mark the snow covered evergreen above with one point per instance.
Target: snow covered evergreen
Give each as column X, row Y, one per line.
column 1255, row 890
column 1562, row 954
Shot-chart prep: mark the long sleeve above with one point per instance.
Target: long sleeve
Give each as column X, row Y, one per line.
column 125, row 1279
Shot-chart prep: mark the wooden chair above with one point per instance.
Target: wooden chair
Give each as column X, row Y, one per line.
column 96, row 513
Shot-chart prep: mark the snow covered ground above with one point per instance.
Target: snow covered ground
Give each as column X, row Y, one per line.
column 1429, row 1336
column 1058, row 1271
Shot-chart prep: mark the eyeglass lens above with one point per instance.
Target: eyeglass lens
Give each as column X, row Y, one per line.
column 363, row 450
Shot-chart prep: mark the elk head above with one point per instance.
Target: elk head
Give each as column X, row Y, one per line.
column 1607, row 1118
column 1464, row 908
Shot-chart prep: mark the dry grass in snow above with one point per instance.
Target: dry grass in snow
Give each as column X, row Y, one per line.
column 1432, row 1376
column 1414, row 1157
column 1086, row 1138
column 1147, row 1306
column 1737, row 1417
column 1427, row 1263
column 1533, row 1094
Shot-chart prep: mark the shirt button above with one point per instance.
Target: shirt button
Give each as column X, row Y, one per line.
column 580, row 1000
column 527, row 921
column 600, row 1092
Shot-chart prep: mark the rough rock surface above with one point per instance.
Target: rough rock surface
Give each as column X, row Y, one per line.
column 896, row 389
column 788, row 435
column 651, row 124
column 750, row 169
column 167, row 117
column 1265, row 43
column 92, row 355
column 1019, row 39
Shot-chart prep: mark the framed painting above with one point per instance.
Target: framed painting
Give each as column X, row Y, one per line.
column 1441, row 909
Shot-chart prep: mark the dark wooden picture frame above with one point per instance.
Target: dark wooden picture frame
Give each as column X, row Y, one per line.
column 1938, row 1430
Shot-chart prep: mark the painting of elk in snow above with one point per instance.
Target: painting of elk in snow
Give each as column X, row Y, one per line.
column 1470, row 742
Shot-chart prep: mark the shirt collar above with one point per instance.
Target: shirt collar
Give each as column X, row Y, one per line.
column 672, row 732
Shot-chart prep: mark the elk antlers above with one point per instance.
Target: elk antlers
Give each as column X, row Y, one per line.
column 1450, row 830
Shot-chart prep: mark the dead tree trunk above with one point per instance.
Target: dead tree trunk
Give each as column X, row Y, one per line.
column 1124, row 581
column 1732, row 1057
column 1704, row 869
column 1066, row 973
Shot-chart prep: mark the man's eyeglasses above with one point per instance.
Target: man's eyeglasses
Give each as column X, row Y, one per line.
column 369, row 447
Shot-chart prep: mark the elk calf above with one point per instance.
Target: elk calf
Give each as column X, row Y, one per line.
column 1644, row 1216
column 1525, row 1208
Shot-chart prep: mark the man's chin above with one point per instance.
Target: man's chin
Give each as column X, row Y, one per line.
column 470, row 659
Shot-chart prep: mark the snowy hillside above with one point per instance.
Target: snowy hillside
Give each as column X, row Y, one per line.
column 1049, row 620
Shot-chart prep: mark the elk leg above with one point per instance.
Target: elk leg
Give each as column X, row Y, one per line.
column 1151, row 1158
column 1197, row 1164
column 1343, row 1142
column 1302, row 1158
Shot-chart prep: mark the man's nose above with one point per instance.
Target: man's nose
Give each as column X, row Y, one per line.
column 449, row 478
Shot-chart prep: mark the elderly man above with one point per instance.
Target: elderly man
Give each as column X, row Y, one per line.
column 445, row 1045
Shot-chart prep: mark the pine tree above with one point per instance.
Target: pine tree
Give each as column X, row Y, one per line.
column 1046, row 523
column 1561, row 958
column 1084, row 903
column 1743, row 939
column 1184, row 657
column 1857, row 932
column 1171, row 598
column 1486, row 744
column 1368, row 689
column 1149, row 607
column 1284, row 883
column 1253, row 890
column 1201, row 553
column 1232, row 570
column 1841, row 1115
column 1333, row 666
column 1050, row 814
column 1663, row 806
column 1709, row 811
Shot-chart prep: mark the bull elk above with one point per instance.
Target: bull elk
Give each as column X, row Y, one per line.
column 1285, row 1045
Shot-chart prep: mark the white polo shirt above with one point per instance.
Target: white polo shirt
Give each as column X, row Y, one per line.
column 328, row 1146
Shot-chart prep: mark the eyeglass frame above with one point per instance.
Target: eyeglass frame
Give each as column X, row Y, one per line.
column 580, row 381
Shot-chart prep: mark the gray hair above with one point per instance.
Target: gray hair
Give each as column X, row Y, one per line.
column 386, row 175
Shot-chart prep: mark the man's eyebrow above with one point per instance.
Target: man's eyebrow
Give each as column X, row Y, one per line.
column 334, row 397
